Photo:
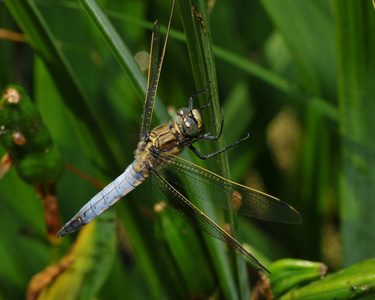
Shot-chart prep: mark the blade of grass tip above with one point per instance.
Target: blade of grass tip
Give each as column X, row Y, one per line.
column 41, row 40
column 121, row 53
column 199, row 43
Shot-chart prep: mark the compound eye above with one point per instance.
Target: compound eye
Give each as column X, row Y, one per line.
column 180, row 116
column 190, row 127
column 182, row 112
column 198, row 119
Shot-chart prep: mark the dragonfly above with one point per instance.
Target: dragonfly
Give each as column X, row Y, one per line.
column 156, row 158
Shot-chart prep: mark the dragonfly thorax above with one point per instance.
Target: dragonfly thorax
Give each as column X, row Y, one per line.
column 189, row 121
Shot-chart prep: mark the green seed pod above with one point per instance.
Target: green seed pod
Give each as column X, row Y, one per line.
column 288, row 274
column 26, row 138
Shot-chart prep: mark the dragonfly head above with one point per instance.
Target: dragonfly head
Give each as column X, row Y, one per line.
column 189, row 121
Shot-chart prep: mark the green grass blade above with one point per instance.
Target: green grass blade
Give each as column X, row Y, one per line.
column 355, row 282
column 355, row 29
column 197, row 31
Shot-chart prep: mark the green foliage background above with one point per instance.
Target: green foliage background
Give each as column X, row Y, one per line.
column 297, row 75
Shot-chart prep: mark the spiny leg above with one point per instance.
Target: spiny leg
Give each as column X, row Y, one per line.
column 208, row 136
column 207, row 105
column 201, row 156
column 198, row 93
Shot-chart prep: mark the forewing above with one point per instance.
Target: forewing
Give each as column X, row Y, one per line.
column 154, row 68
column 174, row 201
column 227, row 194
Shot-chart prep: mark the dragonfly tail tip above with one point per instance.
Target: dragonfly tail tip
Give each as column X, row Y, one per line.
column 61, row 233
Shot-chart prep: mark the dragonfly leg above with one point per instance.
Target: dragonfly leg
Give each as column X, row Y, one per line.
column 207, row 105
column 208, row 136
column 201, row 156
column 198, row 93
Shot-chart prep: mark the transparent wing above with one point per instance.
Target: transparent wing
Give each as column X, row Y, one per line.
column 173, row 200
column 227, row 194
column 154, row 70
